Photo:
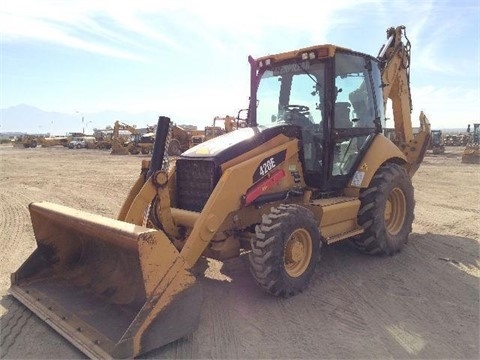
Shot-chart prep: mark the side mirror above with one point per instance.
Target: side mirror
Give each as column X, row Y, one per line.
column 242, row 114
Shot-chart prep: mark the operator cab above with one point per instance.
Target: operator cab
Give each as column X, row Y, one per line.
column 336, row 101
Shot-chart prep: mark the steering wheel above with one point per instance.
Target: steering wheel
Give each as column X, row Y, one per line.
column 300, row 108
column 297, row 114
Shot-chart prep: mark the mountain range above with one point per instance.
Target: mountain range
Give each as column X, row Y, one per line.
column 31, row 120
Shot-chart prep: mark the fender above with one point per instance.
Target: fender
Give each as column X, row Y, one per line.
column 373, row 159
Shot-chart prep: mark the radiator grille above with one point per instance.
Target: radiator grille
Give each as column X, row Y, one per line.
column 196, row 180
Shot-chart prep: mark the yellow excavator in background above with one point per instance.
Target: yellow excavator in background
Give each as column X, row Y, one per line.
column 119, row 141
column 311, row 168
column 471, row 154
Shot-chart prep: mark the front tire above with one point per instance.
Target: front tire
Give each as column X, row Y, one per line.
column 174, row 148
column 134, row 151
column 386, row 211
column 285, row 250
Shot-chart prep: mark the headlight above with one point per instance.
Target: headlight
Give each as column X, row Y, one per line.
column 265, row 62
column 309, row 55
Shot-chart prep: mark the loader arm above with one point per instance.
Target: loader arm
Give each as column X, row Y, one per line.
column 225, row 199
column 137, row 186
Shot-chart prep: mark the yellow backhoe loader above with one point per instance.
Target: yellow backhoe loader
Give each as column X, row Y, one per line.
column 437, row 144
column 312, row 168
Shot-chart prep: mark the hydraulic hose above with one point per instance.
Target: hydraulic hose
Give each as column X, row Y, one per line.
column 158, row 153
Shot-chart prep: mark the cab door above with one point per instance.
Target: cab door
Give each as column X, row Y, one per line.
column 356, row 116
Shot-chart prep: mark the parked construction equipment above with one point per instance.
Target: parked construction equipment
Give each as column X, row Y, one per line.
column 55, row 141
column 179, row 140
column 103, row 140
column 120, row 142
column 27, row 141
column 471, row 154
column 220, row 126
column 32, row 141
column 141, row 143
column 312, row 168
column 437, row 144
column 138, row 143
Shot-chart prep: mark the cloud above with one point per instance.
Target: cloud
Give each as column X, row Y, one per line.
column 181, row 47
column 100, row 28
column 108, row 28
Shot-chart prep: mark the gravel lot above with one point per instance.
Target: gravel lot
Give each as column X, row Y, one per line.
column 420, row 304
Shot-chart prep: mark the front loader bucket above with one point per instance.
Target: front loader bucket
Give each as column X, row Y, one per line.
column 471, row 155
column 120, row 150
column 113, row 289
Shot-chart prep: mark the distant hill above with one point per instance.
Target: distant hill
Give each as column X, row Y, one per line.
column 28, row 119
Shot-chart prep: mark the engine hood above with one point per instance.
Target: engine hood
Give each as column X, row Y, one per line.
column 235, row 143
column 213, row 147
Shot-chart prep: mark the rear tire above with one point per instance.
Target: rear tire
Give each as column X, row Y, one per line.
column 386, row 211
column 285, row 250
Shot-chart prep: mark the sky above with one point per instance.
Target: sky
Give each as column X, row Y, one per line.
column 188, row 59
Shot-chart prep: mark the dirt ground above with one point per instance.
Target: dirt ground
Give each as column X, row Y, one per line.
column 420, row 304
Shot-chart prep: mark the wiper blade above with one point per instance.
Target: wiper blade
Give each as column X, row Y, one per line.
column 317, row 84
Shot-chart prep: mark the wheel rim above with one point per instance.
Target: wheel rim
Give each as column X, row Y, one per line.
column 395, row 211
column 298, row 252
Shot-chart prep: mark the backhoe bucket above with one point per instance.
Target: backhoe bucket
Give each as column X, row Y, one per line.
column 113, row 289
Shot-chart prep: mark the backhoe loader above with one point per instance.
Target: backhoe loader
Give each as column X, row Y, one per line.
column 437, row 144
column 311, row 168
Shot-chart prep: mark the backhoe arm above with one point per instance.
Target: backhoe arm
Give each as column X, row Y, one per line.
column 395, row 61
column 394, row 58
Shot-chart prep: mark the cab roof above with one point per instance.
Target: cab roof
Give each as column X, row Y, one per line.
column 326, row 50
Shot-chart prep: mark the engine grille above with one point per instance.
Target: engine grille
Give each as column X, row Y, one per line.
column 196, row 180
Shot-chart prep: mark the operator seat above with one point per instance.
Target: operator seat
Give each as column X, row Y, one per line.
column 342, row 115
